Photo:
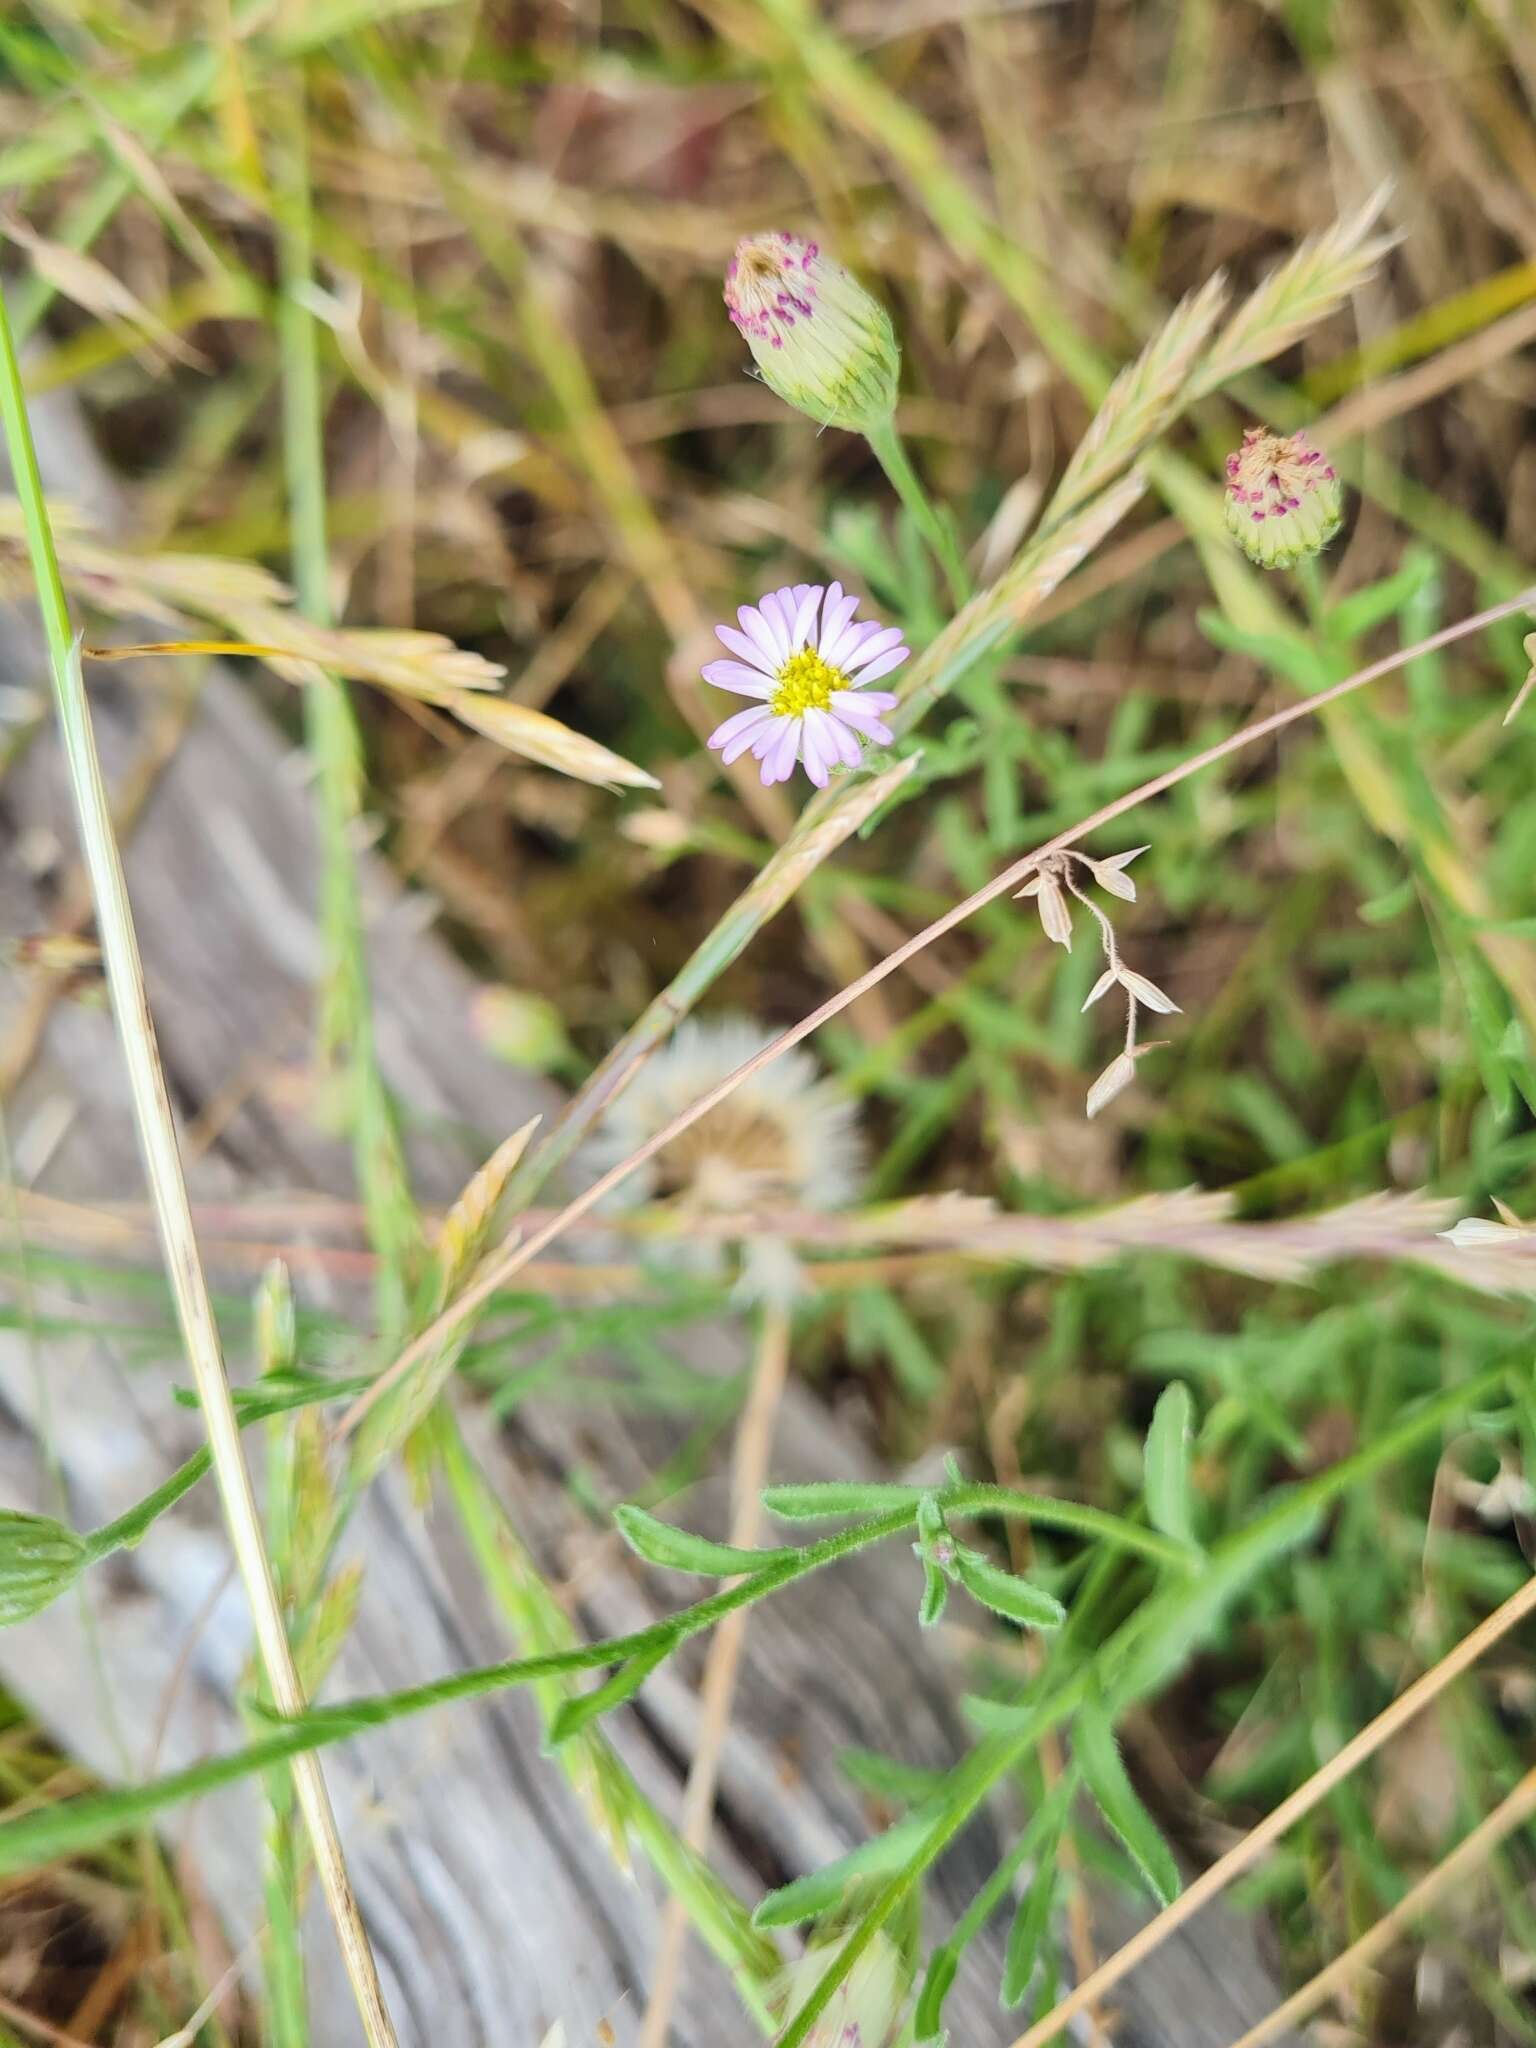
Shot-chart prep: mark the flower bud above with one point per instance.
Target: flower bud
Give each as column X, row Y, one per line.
column 1283, row 498
column 39, row 1559
column 821, row 342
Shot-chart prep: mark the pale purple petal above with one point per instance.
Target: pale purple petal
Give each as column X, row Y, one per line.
column 814, row 751
column 749, row 650
column 779, row 761
column 741, row 725
column 878, row 643
column 764, row 634
column 835, row 615
column 884, row 663
column 742, row 743
column 770, row 733
column 852, row 713
column 849, row 641
column 876, row 700
column 805, row 617
column 737, row 677
column 778, row 608
column 841, row 739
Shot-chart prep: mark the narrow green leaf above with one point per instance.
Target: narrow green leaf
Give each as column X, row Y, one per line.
column 660, row 1543
column 898, row 1783
column 1363, row 610
column 1014, row 1598
column 1041, row 1843
column 1295, row 658
column 571, row 1716
column 997, row 1717
column 1169, row 1500
column 1098, row 1755
column 930, row 1610
column 825, row 1889
column 1030, row 1924
column 928, row 2020
column 823, row 1499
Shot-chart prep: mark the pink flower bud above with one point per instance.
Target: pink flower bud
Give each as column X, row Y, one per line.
column 1283, row 498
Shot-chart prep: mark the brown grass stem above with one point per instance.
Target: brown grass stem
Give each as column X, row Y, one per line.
column 1511, row 1813
column 1244, row 1854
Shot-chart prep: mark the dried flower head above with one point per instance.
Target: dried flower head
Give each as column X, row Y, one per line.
column 821, row 342
column 1055, row 884
column 801, row 654
column 1284, row 500
column 784, row 1138
column 864, row 2011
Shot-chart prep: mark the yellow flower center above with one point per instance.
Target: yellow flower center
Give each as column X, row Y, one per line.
column 806, row 683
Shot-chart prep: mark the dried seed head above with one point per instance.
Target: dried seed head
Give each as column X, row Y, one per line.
column 821, row 342
column 1284, row 500
column 783, row 1137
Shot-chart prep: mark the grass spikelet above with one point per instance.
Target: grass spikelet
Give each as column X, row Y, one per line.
column 463, row 1235
column 1141, row 398
column 1302, row 291
column 538, row 737
column 396, row 1418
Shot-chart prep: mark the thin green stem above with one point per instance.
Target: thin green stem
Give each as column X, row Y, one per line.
column 157, row 1136
column 335, row 745
column 891, row 453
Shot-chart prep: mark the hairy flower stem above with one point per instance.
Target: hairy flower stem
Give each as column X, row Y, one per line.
column 890, row 452
column 498, row 1270
column 168, row 1188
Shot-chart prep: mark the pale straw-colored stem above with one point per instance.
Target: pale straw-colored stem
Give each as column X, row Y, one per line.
column 167, row 1184
column 1244, row 1854
column 1511, row 1813
column 497, row 1271
column 754, row 1447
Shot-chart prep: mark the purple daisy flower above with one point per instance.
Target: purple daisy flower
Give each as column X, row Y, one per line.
column 801, row 654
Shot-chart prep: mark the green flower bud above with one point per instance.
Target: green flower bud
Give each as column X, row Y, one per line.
column 1284, row 499
column 821, row 342
column 39, row 1560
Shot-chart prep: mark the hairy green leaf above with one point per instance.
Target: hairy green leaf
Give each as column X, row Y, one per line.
column 1169, row 1501
column 660, row 1543
column 1012, row 1597
column 821, row 1500
column 1098, row 1757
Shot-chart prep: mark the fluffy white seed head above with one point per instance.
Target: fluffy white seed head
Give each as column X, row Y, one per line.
column 782, row 1139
